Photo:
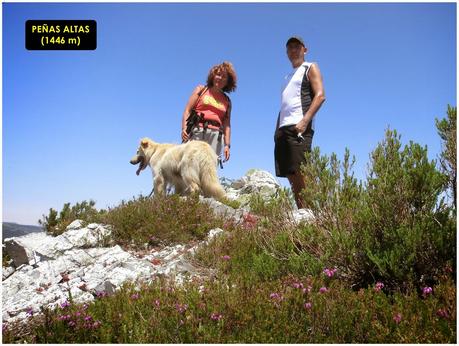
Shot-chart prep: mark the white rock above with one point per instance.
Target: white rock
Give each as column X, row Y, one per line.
column 303, row 215
column 255, row 181
column 214, row 232
column 77, row 224
column 86, row 237
column 22, row 249
column 71, row 263
column 7, row 271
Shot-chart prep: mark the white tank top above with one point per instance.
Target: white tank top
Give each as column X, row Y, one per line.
column 296, row 96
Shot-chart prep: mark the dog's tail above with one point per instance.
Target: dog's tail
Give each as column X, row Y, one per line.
column 210, row 184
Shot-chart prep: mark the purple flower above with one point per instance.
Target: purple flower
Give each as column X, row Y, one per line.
column 65, row 304
column 308, row 305
column 157, row 303
column 442, row 313
column 216, row 316
column 29, row 311
column 101, row 294
column 397, row 318
column 64, row 317
column 226, row 258
column 181, row 308
column 72, row 324
column 323, row 290
column 379, row 286
column 307, row 289
column 297, row 285
column 88, row 318
column 135, row 296
column 330, row 272
column 426, row 291
column 97, row 324
column 275, row 296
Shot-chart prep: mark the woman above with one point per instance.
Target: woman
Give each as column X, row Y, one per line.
column 214, row 107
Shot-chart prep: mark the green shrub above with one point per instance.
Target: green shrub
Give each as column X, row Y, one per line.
column 447, row 129
column 167, row 219
column 332, row 192
column 392, row 227
column 56, row 223
column 405, row 227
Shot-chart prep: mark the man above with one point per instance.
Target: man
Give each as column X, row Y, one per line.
column 302, row 95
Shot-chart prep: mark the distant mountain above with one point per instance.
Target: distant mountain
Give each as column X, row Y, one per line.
column 11, row 229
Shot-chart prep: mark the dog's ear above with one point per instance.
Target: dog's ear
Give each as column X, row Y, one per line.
column 144, row 143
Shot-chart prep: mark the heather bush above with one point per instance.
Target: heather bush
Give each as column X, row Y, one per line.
column 319, row 309
column 169, row 219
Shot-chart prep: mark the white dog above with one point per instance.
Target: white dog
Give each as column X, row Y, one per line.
column 189, row 167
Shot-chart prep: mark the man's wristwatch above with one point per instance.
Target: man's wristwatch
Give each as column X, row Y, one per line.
column 228, row 145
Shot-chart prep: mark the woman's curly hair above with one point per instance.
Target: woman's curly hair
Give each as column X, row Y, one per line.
column 229, row 69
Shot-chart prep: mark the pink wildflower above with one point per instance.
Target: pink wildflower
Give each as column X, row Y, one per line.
column 323, row 290
column 397, row 318
column 135, row 296
column 330, row 272
column 97, row 324
column 275, row 296
column 65, row 304
column 226, row 258
column 249, row 221
column 216, row 316
column 379, row 286
column 29, row 311
column 308, row 305
column 426, row 291
column 442, row 313
column 297, row 285
column 88, row 318
column 307, row 289
column 101, row 294
column 72, row 324
column 181, row 308
column 64, row 317
column 157, row 303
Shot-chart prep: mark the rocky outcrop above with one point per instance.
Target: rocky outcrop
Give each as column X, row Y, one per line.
column 53, row 268
column 82, row 263
column 254, row 181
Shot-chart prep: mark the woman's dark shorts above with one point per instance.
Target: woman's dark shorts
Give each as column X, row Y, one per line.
column 289, row 150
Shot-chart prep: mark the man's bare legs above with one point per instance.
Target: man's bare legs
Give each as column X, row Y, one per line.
column 297, row 183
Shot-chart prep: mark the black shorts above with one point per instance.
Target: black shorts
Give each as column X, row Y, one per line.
column 289, row 150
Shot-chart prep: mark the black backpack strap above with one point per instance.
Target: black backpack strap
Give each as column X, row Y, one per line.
column 228, row 111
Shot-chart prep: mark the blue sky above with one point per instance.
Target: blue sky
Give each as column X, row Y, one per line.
column 73, row 119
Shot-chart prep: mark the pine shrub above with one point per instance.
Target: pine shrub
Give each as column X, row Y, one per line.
column 56, row 222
